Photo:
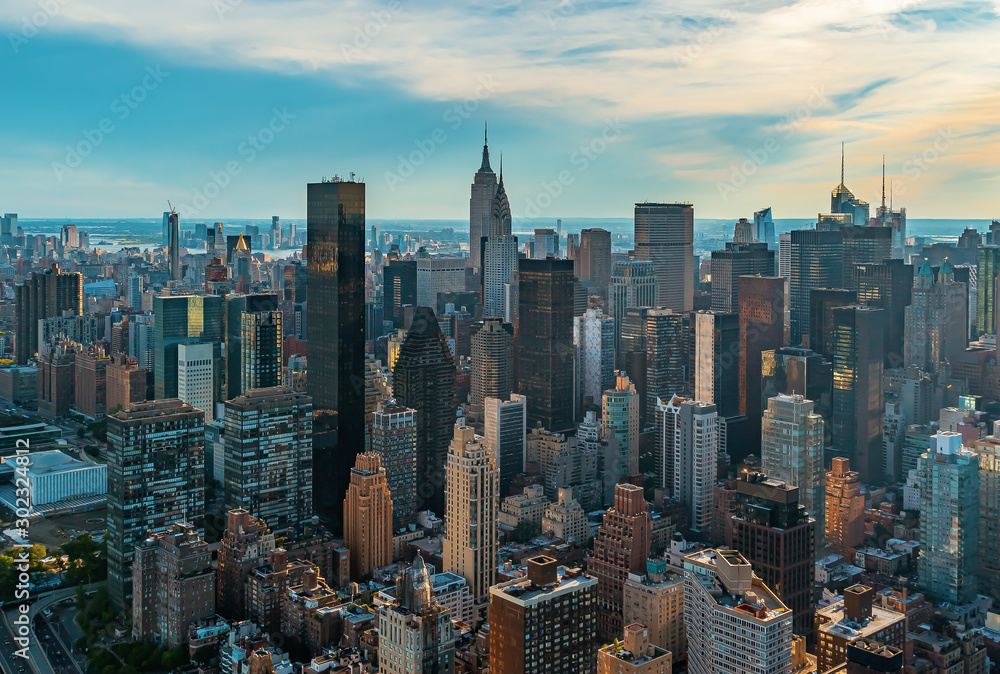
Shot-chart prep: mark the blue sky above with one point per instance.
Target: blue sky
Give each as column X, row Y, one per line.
column 228, row 107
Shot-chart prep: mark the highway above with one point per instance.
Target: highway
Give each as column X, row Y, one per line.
column 48, row 653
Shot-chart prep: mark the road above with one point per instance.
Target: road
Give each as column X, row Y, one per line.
column 47, row 651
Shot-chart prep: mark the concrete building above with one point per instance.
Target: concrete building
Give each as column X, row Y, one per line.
column 633, row 284
column 368, row 517
column 173, row 585
column 667, row 372
column 484, row 188
column 309, row 612
column 52, row 476
column 565, row 518
column 634, row 654
column 664, row 235
column 91, row 382
column 936, row 319
column 246, row 544
column 688, row 432
column 620, row 424
column 728, row 265
column 855, row 618
column 448, row 590
column 656, row 600
column 394, row 439
column 126, row 383
column 593, row 337
column 741, row 625
column 57, row 380
column 437, row 275
column 472, row 509
column 593, row 262
column 196, row 377
column 505, row 433
column 988, row 452
column 19, row 384
column 792, row 450
column 528, row 506
column 845, row 509
column 43, row 294
column 544, row 622
column 762, row 328
column 499, row 268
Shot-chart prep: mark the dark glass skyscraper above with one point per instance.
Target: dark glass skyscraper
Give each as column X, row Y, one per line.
column 738, row 259
column 544, row 339
column 861, row 246
column 664, row 235
column 424, row 380
column 887, row 285
column 174, row 247
column 792, row 370
column 822, row 302
column 815, row 261
column 186, row 319
column 236, row 306
column 762, row 328
column 399, row 288
column 988, row 262
column 666, row 357
column 335, row 324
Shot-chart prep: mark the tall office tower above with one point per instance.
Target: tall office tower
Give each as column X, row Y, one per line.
column 173, row 585
column 936, row 319
column 156, row 477
column 415, row 632
column 621, row 547
column 620, row 418
column 888, row 285
column 142, row 340
column 335, row 320
column 667, row 415
column 437, row 275
column 505, row 431
column 260, row 350
column 246, row 544
column 499, row 271
column 544, row 622
column 594, row 260
column 633, row 284
column 492, row 374
column 593, row 337
column 762, row 328
column 741, row 625
column 545, row 243
column 399, row 283
column 666, row 357
column 664, row 235
column 268, row 456
column 210, row 242
column 185, row 319
column 863, row 245
column 91, row 386
column 471, row 535
column 845, row 509
column 743, row 232
column 394, row 439
column 773, row 531
column 785, row 255
column 763, row 227
column 634, row 653
column 857, row 388
column 843, row 201
column 236, row 306
column 165, row 229
column 275, row 232
column 8, row 228
column 133, row 291
column 792, row 449
column 815, row 261
column 544, row 343
column 43, row 294
column 484, row 188
column 296, row 282
column 424, row 380
column 987, row 270
column 174, row 269
column 988, row 452
column 196, row 376
column 126, row 383
column 822, row 302
column 948, row 475
column 368, row 516
column 240, row 261
column 717, row 366
column 695, row 448
column 738, row 259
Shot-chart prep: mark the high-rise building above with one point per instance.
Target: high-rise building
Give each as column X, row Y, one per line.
column 763, row 227
column 773, row 531
column 544, row 622
column 492, row 374
column 260, row 306
column 394, row 439
column 664, row 235
column 762, row 328
column 196, row 377
column 688, row 448
column 335, row 238
column 133, row 291
column 633, row 284
column 988, row 452
column 666, row 357
column 857, row 388
column 269, row 457
column 506, row 435
column 156, row 478
column 815, row 261
column 845, row 508
column 863, row 245
column 656, row 600
column 126, row 383
column 948, row 474
column 565, row 518
column 8, row 228
column 634, row 653
column 260, row 350
column 593, row 336
column 987, row 268
column 854, row 621
column 185, row 319
column 936, row 319
column 472, row 511
column 741, row 625
column 499, row 270
column 544, row 350
column 620, row 421
column 142, row 341
column 415, row 632
column 545, row 243
column 785, row 255
column 621, row 547
column 43, row 294
column 728, row 265
column 399, row 284
column 368, row 516
column 437, row 275
column 173, row 585
column 792, row 370
column 593, row 264
column 792, row 450
column 822, row 302
column 91, row 387
column 717, row 361
column 484, row 188
column 424, row 380
column 888, row 285
column 174, row 269
column 246, row 544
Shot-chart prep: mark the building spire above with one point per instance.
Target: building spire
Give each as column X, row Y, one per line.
column 486, row 151
column 841, row 162
column 883, row 184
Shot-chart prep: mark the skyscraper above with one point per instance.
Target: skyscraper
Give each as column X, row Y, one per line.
column 268, row 456
column 437, row 275
column 622, row 544
column 593, row 336
column 176, row 272
column 988, row 452
column 664, row 235
column 666, row 357
column 368, row 516
column 399, row 283
column 424, row 380
column 843, row 201
column 257, row 305
column 498, row 255
column 936, row 319
column 822, row 302
column 845, row 508
column 492, row 372
column 185, row 319
column 857, row 388
column 948, row 475
column 815, row 261
column 728, row 265
column 394, row 439
column 484, row 187
column 43, row 294
column 762, row 328
column 133, row 291
column 774, row 532
column 988, row 268
column 544, row 350
column 717, row 361
column 335, row 234
column 863, row 245
column 633, row 284
column 763, row 225
column 506, row 436
column 415, row 632
column 473, row 506
column 888, row 285
column 260, row 350
column 689, row 432
column 196, row 377
column 792, row 449
column 620, row 420
column 593, row 264
column 156, row 477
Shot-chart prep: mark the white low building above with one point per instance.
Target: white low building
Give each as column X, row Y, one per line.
column 53, row 477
